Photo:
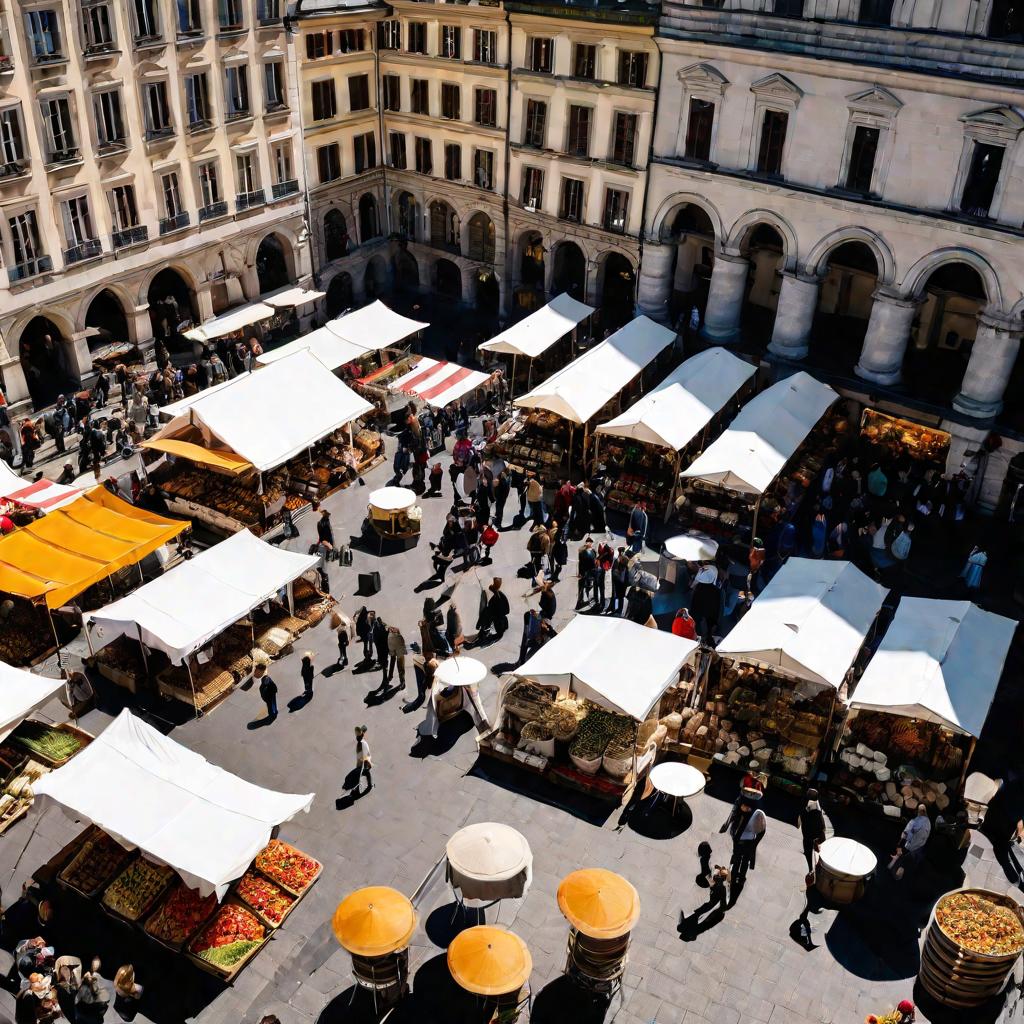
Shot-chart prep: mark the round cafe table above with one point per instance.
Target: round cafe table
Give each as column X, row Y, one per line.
column 844, row 867
column 677, row 780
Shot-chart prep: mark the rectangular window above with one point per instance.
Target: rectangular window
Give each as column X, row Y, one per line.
column 540, row 54
column 982, row 179
column 698, row 129
column 632, row 68
column 396, row 142
column 43, row 36
column 451, row 101
column 157, row 111
column 351, row 40
column 451, row 42
column 325, row 102
column 171, row 195
column 862, row 159
column 97, row 28
column 273, row 85
column 536, row 122
column 268, row 11
column 578, row 143
column 584, row 61
column 420, row 96
column 875, row 12
column 365, row 149
column 424, row 156
column 190, row 17
column 452, row 161
column 236, row 92
column 389, row 35
column 571, row 207
column 533, row 187
column 392, row 92
column 616, row 205
column 485, row 46
column 319, row 44
column 328, row 163
column 789, row 8
column 624, row 139
column 486, row 108
column 246, row 173
column 147, row 20
column 281, row 159
column 773, row 140
column 197, row 100
column 417, row 37
column 123, row 211
column 209, row 183
column 25, row 240
column 109, row 118
column 483, row 169
column 77, row 221
column 57, row 124
column 12, row 141
column 230, row 15
column 358, row 92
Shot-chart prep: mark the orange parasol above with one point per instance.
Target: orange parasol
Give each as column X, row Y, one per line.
column 599, row 903
column 374, row 921
column 489, row 961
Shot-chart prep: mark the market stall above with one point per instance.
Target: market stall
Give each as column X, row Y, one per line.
column 920, row 705
column 24, row 500
column 233, row 324
column 740, row 481
column 647, row 443
column 891, row 438
column 454, row 690
column 770, row 697
column 543, row 438
column 193, row 630
column 439, row 383
column 584, row 711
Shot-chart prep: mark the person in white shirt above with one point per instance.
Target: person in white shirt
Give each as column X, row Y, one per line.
column 747, row 826
column 912, row 842
column 363, row 762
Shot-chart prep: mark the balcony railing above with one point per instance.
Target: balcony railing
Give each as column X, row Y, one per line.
column 42, row 59
column 232, row 26
column 285, row 188
column 277, row 107
column 130, row 236
column 237, row 115
column 146, row 42
column 63, row 156
column 14, row 169
column 213, row 211
column 98, row 49
column 109, row 146
column 204, row 124
column 87, row 250
column 191, row 34
column 165, row 131
column 267, row 18
column 247, row 200
column 30, row 268
column 175, row 223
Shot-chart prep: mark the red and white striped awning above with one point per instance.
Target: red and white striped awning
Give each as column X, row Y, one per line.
column 438, row 383
column 43, row 495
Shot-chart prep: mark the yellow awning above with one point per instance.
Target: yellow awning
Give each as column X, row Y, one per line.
column 225, row 461
column 57, row 557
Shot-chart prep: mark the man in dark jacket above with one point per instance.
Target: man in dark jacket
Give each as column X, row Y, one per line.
column 324, row 530
column 495, row 614
column 587, row 566
column 502, row 486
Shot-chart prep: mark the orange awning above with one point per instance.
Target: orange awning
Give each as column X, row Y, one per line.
column 216, row 458
column 489, row 961
column 57, row 557
column 374, row 921
column 599, row 903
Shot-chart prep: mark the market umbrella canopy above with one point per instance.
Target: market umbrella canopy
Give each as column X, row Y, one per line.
column 292, row 296
column 691, row 547
column 460, row 672
column 438, row 382
column 392, row 499
column 536, row 333
column 599, row 903
column 21, row 693
column 231, row 321
column 489, row 961
column 223, row 461
column 374, row 921
column 42, row 495
column 488, row 851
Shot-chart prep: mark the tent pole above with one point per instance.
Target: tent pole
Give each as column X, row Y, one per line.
column 56, row 640
column 145, row 658
column 529, row 377
column 351, row 438
column 597, row 451
column 512, row 382
column 586, row 438
column 572, row 437
column 753, row 528
column 676, row 466
column 192, row 683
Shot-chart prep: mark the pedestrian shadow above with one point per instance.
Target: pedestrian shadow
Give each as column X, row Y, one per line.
column 447, row 921
column 691, row 928
column 428, row 584
column 298, row 703
column 414, row 705
column 504, row 666
column 447, row 736
column 259, row 723
column 333, row 670
column 375, row 698
column 657, row 821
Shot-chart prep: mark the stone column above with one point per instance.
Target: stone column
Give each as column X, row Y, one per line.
column 798, row 299
column 725, row 299
column 654, row 289
column 885, row 343
column 988, row 372
column 250, row 285
column 12, row 374
column 78, row 355
column 592, row 284
column 204, row 302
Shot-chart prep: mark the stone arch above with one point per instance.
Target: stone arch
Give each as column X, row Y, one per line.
column 118, row 291
column 46, row 364
column 405, row 215
column 883, row 254
column 375, row 277
column 181, row 269
column 486, row 293
column 447, row 279
column 481, row 236
column 569, row 271
column 340, row 294
column 274, row 262
column 444, row 226
column 661, row 226
column 369, row 218
column 917, row 277
column 617, row 280
column 748, row 223
column 336, row 238
column 171, row 297
column 105, row 314
column 406, row 270
column 766, row 249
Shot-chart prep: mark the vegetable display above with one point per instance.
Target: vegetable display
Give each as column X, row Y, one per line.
column 265, row 897
column 51, row 744
column 232, row 934
column 287, row 866
column 94, row 864
column 980, row 925
column 180, row 915
column 135, row 890
column 599, row 729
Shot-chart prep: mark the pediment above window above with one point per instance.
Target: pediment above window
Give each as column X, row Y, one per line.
column 875, row 100
column 1001, row 123
column 703, row 77
column 777, row 88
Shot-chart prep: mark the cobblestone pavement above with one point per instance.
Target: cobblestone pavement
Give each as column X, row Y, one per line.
column 744, row 968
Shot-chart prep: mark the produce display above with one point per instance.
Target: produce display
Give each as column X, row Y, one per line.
column 17, row 795
column 536, row 442
column 26, row 636
column 53, row 745
column 977, row 923
column 528, row 701
column 269, row 900
column 230, row 936
column 137, row 888
column 94, row 864
column 597, row 730
column 287, row 866
column 902, row 438
column 123, row 655
column 178, row 918
column 230, row 496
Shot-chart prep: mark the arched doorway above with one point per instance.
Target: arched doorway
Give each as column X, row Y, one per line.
column 481, row 238
column 849, row 278
column 407, row 271
column 764, row 247
column 444, row 227
column 448, row 280
column 488, row 295
column 692, row 233
column 171, row 308
column 44, row 361
column 106, row 317
column 529, row 295
column 570, row 272
column 339, row 294
column 618, row 281
column 336, row 240
column 369, row 223
column 375, row 280
column 271, row 265
column 943, row 331
column 406, row 215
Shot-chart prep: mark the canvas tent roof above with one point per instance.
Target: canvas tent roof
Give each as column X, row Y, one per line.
column 268, row 416
column 765, row 434
column 536, row 333
column 582, row 388
column 57, row 557
column 231, row 321
column 438, row 382
column 149, row 792
column 290, row 297
column 43, row 495
column 21, row 692
column 613, row 662
column 683, row 404
column 188, row 606
column 810, row 621
column 940, row 661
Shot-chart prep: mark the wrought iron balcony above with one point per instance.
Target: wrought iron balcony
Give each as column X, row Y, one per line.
column 165, row 131
column 63, row 156
column 175, row 223
column 285, row 188
column 130, row 236
column 247, row 200
column 13, row 169
column 204, row 124
column 213, row 211
column 30, row 268
column 87, row 250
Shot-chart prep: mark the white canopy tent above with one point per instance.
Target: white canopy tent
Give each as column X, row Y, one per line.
column 42, row 496
column 174, row 409
column 149, row 792
column 764, row 436
column 333, row 351
column 21, row 693
column 439, row 383
column 579, row 390
column 535, row 334
column 940, row 662
column 810, row 621
column 182, row 610
column 273, row 414
column 291, row 297
column 233, row 320
column 613, row 662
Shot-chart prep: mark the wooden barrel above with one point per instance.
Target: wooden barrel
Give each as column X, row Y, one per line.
column 385, row 975
column 960, row 977
column 597, row 963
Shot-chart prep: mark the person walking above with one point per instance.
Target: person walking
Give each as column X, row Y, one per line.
column 587, row 567
column 706, row 602
column 29, row 443
column 307, row 672
column 401, row 465
column 495, row 614
column 502, row 487
column 972, row 572
column 531, row 634
column 605, row 559
column 363, row 628
column 637, row 529
column 747, row 826
column 538, row 545
column 559, row 551
column 620, row 583
column 814, row 828
column 913, row 840
column 268, row 690
column 535, row 498
column 397, row 651
column 453, row 627
column 517, row 478
column 548, row 601
column 714, row 906
column 343, row 644
column 324, row 531
column 380, row 642
column 364, row 766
